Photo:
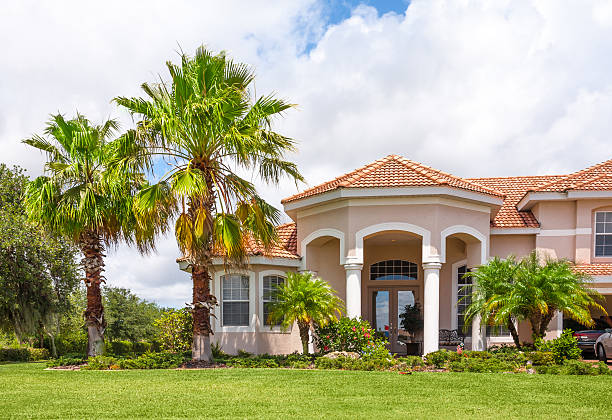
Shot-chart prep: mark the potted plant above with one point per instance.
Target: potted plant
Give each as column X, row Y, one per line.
column 411, row 321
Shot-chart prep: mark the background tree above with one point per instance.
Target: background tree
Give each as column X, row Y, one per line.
column 38, row 270
column 305, row 300
column 205, row 121
column 129, row 317
column 86, row 196
column 175, row 330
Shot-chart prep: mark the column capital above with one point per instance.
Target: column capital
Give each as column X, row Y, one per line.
column 353, row 266
column 432, row 266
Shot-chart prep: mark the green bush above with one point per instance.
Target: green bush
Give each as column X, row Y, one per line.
column 23, row 354
column 175, row 330
column 517, row 357
column 102, row 363
column 217, row 351
column 66, row 361
column 439, row 358
column 411, row 361
column 563, row 348
column 540, row 358
column 71, row 344
column 127, row 348
column 503, row 349
column 162, row 360
column 477, row 354
column 548, row 369
column 348, row 334
column 482, row 365
column 574, row 367
column 348, row 363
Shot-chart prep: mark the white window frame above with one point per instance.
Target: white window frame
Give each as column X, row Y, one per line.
column 218, row 311
column 454, row 318
column 275, row 329
column 595, row 235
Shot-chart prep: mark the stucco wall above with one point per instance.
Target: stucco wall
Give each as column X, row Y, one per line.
column 261, row 339
column 504, row 245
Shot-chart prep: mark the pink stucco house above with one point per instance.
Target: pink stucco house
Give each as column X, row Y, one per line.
column 395, row 232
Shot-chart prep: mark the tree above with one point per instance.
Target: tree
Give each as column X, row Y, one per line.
column 307, row 301
column 205, row 124
column 551, row 287
column 38, row 270
column 175, row 330
column 491, row 289
column 86, row 196
column 506, row 292
column 129, row 317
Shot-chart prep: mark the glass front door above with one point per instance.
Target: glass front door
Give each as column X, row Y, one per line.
column 387, row 304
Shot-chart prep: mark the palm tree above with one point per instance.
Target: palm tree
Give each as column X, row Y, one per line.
column 491, row 286
column 506, row 292
column 304, row 300
column 551, row 287
column 209, row 130
column 87, row 197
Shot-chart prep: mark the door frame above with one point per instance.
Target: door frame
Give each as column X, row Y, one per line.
column 393, row 309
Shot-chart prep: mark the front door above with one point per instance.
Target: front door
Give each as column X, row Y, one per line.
column 387, row 304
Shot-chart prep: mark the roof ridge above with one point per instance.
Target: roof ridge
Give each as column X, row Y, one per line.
column 439, row 173
column 589, row 180
column 357, row 174
column 514, row 177
column 573, row 174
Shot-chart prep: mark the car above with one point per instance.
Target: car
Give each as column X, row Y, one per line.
column 587, row 338
column 603, row 345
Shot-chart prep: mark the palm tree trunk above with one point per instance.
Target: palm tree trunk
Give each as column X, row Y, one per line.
column 546, row 320
column 513, row 332
column 304, row 327
column 93, row 264
column 203, row 301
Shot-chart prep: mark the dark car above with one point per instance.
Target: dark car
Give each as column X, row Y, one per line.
column 586, row 339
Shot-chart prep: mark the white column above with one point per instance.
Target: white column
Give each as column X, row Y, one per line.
column 431, row 307
column 478, row 334
column 353, row 289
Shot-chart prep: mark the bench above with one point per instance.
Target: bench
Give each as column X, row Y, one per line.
column 450, row 339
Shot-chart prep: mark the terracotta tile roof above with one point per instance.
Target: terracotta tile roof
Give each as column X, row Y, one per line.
column 285, row 248
column 594, row 269
column 515, row 188
column 596, row 177
column 394, row 171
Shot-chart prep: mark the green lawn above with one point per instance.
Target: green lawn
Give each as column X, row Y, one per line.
column 26, row 390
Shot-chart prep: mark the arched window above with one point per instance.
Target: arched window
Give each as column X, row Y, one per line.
column 393, row 270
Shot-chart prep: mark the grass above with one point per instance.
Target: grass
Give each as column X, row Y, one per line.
column 28, row 391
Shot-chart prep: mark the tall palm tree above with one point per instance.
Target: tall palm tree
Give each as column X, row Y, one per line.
column 491, row 285
column 210, row 129
column 86, row 195
column 304, row 300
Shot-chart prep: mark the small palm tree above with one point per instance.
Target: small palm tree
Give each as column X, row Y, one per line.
column 304, row 300
column 491, row 287
column 554, row 286
column 87, row 197
column 211, row 129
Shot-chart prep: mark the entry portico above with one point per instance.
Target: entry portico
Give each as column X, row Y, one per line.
column 409, row 221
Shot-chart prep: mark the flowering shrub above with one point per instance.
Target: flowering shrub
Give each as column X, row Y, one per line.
column 349, row 334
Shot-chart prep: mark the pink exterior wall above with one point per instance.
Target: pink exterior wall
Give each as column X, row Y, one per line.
column 262, row 339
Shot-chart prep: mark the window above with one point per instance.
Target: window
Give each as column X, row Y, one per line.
column 603, row 234
column 464, row 298
column 393, row 270
column 235, row 300
column 270, row 290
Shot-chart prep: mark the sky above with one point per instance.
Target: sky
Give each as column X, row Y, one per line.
column 471, row 87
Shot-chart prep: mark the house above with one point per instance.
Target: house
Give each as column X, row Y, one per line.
column 396, row 232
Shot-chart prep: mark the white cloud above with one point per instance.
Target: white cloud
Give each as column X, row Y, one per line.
column 477, row 88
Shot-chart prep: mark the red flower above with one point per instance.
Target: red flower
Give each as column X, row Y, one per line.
column 354, row 329
column 325, row 348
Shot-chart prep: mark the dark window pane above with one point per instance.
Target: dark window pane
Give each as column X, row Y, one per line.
column 608, row 216
column 236, row 313
column 600, row 217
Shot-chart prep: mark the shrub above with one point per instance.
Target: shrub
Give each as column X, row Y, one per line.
column 162, row 360
column 347, row 334
column 101, row 363
column 71, row 343
column 120, row 348
column 244, row 353
column 141, row 347
column 503, row 349
column 516, row 357
column 548, row 369
column 217, row 351
column 66, row 361
column 38, row 354
column 175, row 330
column 563, row 348
column 439, row 358
column 540, row 358
column 348, row 363
column 477, row 354
column 23, row 354
column 481, row 365
column 411, row 361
